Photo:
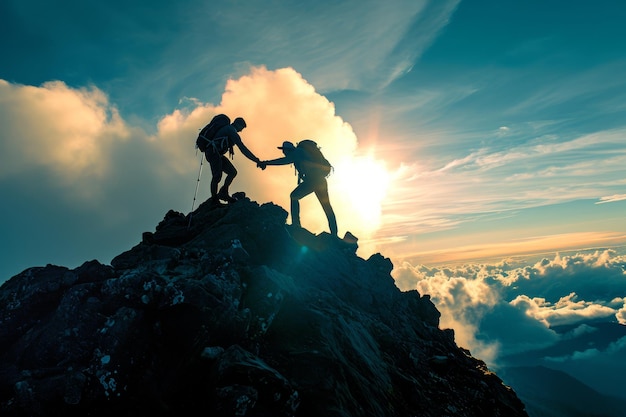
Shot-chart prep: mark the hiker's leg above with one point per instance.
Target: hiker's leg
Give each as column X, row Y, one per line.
column 295, row 212
column 303, row 189
column 231, row 173
column 216, row 172
column 322, row 195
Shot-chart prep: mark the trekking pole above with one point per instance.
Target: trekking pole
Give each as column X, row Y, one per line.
column 193, row 203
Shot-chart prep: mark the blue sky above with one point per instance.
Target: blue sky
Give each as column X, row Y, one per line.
column 462, row 133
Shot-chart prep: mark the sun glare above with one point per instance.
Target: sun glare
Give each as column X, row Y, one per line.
column 360, row 184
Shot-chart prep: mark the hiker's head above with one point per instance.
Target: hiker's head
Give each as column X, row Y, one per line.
column 287, row 147
column 239, row 124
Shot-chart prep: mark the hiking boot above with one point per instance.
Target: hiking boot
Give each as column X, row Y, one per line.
column 225, row 197
column 215, row 202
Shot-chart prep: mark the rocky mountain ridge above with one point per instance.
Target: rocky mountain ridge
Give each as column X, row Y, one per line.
column 229, row 312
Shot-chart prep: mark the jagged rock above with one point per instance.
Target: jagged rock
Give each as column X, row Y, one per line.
column 231, row 313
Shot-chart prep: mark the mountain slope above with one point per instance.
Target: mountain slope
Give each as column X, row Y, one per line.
column 236, row 315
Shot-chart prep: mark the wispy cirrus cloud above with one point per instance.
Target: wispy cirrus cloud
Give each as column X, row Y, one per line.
column 546, row 171
column 595, row 89
column 611, row 198
column 325, row 41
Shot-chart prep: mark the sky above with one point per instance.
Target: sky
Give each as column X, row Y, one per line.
column 476, row 144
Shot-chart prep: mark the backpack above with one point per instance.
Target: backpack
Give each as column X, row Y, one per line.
column 207, row 135
column 313, row 163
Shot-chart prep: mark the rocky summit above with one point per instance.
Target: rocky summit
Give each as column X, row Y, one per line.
column 227, row 311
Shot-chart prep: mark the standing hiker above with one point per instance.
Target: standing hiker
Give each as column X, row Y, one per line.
column 312, row 170
column 224, row 140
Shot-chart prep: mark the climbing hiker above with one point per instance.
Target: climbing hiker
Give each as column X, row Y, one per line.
column 312, row 169
column 224, row 140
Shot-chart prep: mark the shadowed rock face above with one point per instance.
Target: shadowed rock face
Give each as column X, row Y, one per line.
column 234, row 314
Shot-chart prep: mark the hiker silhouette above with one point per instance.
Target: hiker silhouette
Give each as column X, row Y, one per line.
column 310, row 181
column 220, row 164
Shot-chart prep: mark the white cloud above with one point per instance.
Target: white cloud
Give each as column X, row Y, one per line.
column 621, row 314
column 63, row 129
column 66, row 134
column 566, row 310
column 511, row 307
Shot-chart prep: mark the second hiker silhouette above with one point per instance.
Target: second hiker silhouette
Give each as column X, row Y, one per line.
column 310, row 180
column 220, row 164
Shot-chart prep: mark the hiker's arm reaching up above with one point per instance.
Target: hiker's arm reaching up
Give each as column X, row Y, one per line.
column 244, row 150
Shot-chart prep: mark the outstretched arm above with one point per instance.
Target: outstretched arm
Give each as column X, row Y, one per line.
column 244, row 150
column 278, row 161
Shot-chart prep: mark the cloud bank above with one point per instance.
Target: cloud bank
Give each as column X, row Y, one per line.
column 510, row 307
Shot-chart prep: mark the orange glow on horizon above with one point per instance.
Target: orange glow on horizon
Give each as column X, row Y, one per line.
column 532, row 246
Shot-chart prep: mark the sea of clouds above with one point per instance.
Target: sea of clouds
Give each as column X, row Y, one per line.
column 514, row 306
